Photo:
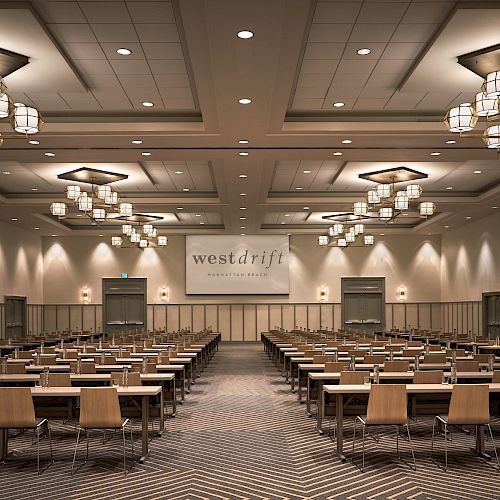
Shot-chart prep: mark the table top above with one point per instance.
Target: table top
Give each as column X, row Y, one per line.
column 410, row 388
column 401, row 375
column 31, row 377
column 138, row 390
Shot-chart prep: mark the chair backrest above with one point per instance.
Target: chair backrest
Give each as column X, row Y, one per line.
column 310, row 354
column 88, row 368
column 47, row 360
column 16, row 368
column 58, row 379
column 496, row 377
column 91, row 349
column 411, row 353
column 414, row 343
column 458, row 352
column 396, row 366
column 71, row 355
column 136, row 367
column 387, row 404
column 482, row 358
column 323, row 358
column 353, row 378
column 469, row 404
column 99, row 408
column 467, row 366
column 133, row 378
column 336, row 366
column 428, row 377
column 376, row 359
column 435, row 358
column 16, row 408
column 25, row 355
column 151, row 367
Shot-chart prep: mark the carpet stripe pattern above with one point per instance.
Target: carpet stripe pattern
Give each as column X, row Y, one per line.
column 241, row 434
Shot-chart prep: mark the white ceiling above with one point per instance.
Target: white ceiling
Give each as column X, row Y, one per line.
column 188, row 61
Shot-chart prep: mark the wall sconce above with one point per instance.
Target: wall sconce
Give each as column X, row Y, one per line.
column 402, row 293
column 85, row 295
column 164, row 294
column 323, row 293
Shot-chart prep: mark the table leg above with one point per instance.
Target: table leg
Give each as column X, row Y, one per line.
column 144, row 433
column 299, row 388
column 321, row 409
column 480, row 448
column 4, row 443
column 308, row 397
column 292, row 378
column 340, row 427
column 174, row 402
column 162, row 414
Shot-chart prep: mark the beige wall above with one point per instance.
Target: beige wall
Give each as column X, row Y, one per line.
column 21, row 263
column 75, row 262
column 470, row 260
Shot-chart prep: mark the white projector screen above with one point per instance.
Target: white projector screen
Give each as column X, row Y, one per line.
column 237, row 265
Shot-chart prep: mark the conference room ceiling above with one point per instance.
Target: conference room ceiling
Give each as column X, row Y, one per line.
column 187, row 60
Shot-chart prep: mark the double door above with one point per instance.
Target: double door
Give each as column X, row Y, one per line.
column 15, row 317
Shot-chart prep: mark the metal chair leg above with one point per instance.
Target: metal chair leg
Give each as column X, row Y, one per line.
column 74, row 454
column 445, row 448
column 354, row 439
column 50, row 443
column 87, row 437
column 494, row 447
column 411, row 447
column 397, row 440
column 124, row 459
column 132, row 446
column 432, row 441
column 38, row 450
column 363, row 461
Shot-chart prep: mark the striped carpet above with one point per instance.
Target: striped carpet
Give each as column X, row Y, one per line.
column 241, row 434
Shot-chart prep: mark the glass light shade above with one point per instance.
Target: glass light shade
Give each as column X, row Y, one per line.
column 112, row 198
column 373, row 197
column 84, row 203
column 322, row 241
column 103, row 192
column 413, row 191
column 143, row 243
column 338, row 229
column 99, row 214
column 350, row 237
column 359, row 229
column 385, row 213
column 26, row 120
column 331, row 231
column 461, row 118
column 491, row 137
column 352, row 230
column 485, row 106
column 491, row 85
column 402, row 201
column 360, row 208
column 147, row 229
column 342, row 242
column 5, row 105
column 125, row 208
column 135, row 237
column 369, row 239
column 116, row 241
column 384, row 190
column 127, row 229
column 154, row 233
column 73, row 192
column 162, row 241
column 427, row 208
column 58, row 209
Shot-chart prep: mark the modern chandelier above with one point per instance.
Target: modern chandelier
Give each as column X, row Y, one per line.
column 25, row 120
column 463, row 118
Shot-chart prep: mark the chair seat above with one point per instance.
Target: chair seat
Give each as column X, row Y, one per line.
column 38, row 422
column 444, row 419
column 124, row 422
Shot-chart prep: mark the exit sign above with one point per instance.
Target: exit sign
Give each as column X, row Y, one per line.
column 124, row 275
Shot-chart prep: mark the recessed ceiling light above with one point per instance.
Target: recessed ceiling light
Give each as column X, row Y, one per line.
column 287, row 215
column 178, row 172
column 446, row 227
column 14, row 219
column 363, row 52
column 34, row 189
column 307, row 171
column 338, row 153
column 185, row 189
column 48, row 153
column 242, row 176
column 451, row 141
column 468, row 217
column 245, row 34
column 346, row 141
column 101, row 235
column 202, row 223
column 53, row 235
column 136, row 141
column 494, row 207
column 180, row 208
column 435, row 153
column 242, row 227
column 449, row 188
column 244, row 100
column 338, row 104
column 148, row 104
column 382, row 234
column 6, row 172
column 243, row 194
column 34, row 142
column 283, row 223
column 197, row 215
column 79, row 215
column 243, row 153
column 243, row 208
column 306, row 208
column 478, row 171
column 124, row 52
column 243, row 218
column 242, row 234
column 146, row 153
column 243, row 141
column 298, row 188
column 36, row 228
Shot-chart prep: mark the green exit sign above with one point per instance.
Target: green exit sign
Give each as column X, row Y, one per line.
column 124, row 275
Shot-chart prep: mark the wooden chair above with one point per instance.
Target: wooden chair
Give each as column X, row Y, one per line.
column 467, row 366
column 469, row 405
column 336, row 366
column 353, row 378
column 134, row 378
column 25, row 355
column 396, row 366
column 428, row 377
column 460, row 353
column 323, row 358
column 16, row 368
column 496, row 377
column 375, row 359
column 481, row 358
column 58, row 379
column 18, row 412
column 100, row 409
column 307, row 354
column 437, row 358
column 47, row 360
column 387, row 405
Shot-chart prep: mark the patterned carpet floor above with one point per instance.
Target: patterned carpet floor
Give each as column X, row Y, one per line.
column 241, row 434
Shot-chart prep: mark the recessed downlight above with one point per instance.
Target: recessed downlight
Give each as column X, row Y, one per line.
column 243, row 194
column 494, row 207
column 36, row 228
column 197, row 215
column 242, row 227
column 242, row 234
column 185, row 189
column 364, row 51
column 283, row 223
column 243, row 208
column 136, row 141
column 124, row 52
column 243, row 218
column 468, row 217
column 306, row 208
column 146, row 153
column 244, row 100
column 242, row 176
column 243, row 141
column 451, row 141
column 49, row 153
column 14, row 219
column 449, row 188
column 6, row 172
column 338, row 104
column 243, row 153
column 53, row 235
column 245, row 34
column 346, row 141
column 338, row 153
column 148, row 104
column 478, row 171
column 298, row 188
column 446, row 227
column 34, row 142
column 307, row 171
column 34, row 189
column 435, row 153
column 180, row 208
column 178, row 172
column 202, row 223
